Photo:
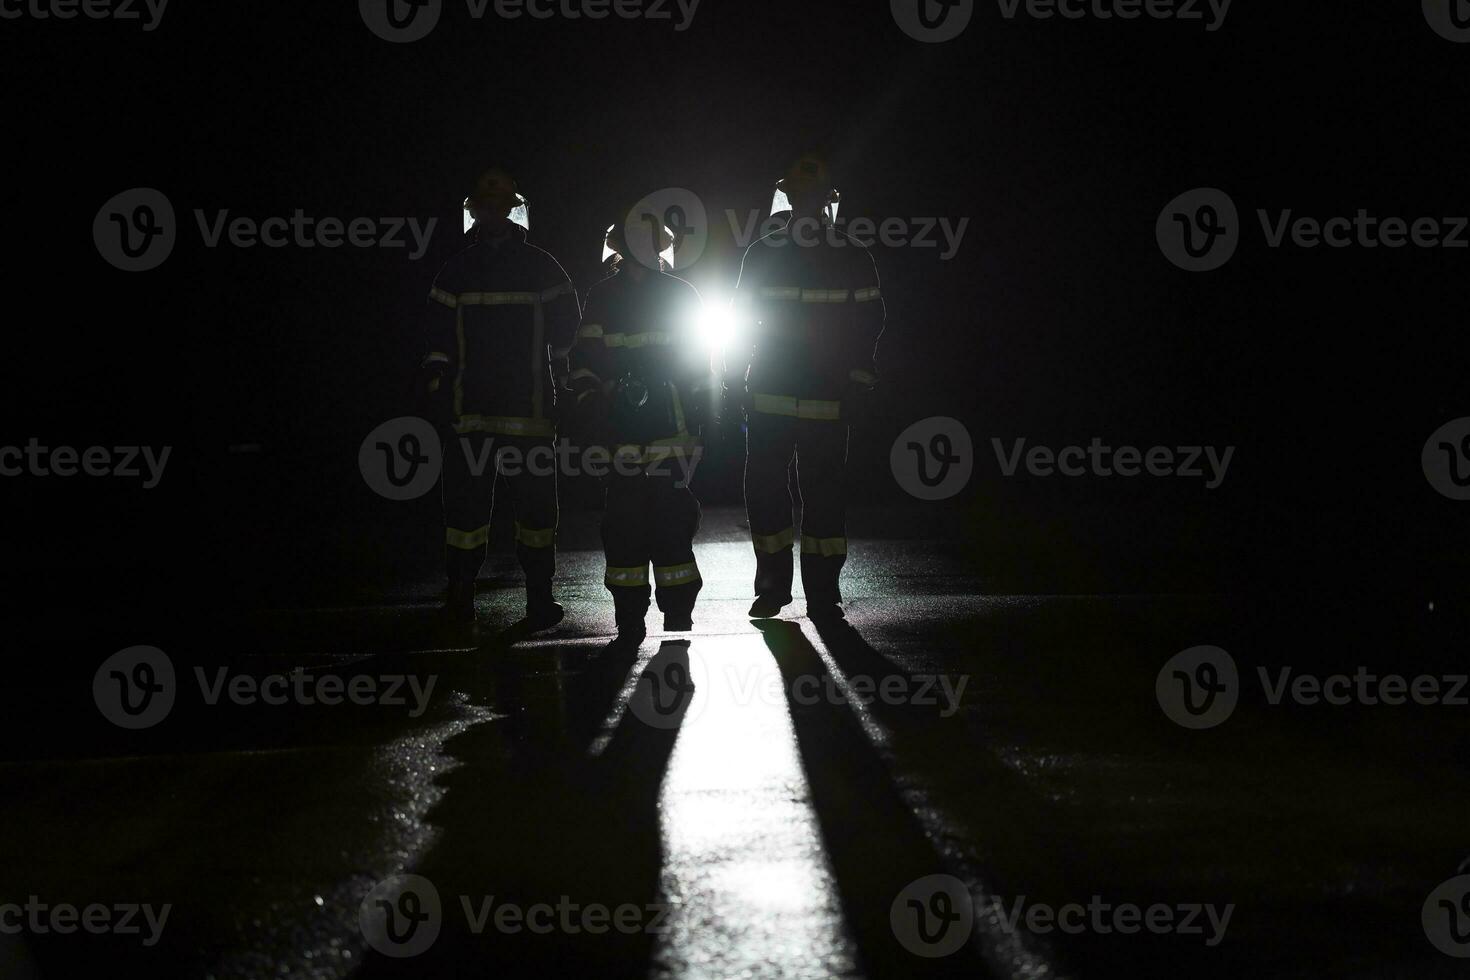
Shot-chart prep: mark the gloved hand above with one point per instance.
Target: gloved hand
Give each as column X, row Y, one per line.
column 436, row 395
column 858, row 404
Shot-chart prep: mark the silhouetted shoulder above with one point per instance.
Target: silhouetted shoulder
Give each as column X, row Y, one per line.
column 776, row 239
column 554, row 271
column 847, row 241
column 679, row 289
column 604, row 288
column 454, row 269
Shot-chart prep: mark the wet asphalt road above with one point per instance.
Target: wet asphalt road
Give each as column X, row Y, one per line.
column 757, row 802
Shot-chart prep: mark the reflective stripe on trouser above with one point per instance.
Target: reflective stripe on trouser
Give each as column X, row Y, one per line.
column 798, row 408
column 649, row 520
column 468, row 500
column 820, row 451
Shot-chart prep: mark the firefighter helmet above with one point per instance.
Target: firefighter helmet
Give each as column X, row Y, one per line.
column 495, row 195
column 634, row 234
column 807, row 177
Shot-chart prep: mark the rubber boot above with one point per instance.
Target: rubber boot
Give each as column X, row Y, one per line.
column 459, row 604
column 542, row 611
column 630, row 607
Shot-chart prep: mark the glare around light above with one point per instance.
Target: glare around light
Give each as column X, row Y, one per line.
column 718, row 326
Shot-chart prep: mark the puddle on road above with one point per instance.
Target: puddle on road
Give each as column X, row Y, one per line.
column 315, row 934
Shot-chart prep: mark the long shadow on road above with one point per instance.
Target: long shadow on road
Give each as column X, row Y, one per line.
column 531, row 819
column 876, row 847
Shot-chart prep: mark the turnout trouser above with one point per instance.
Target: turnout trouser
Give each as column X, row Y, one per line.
column 820, row 449
column 528, row 465
column 650, row 520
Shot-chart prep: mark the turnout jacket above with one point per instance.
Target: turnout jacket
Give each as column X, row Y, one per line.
column 502, row 316
column 815, row 312
column 641, row 364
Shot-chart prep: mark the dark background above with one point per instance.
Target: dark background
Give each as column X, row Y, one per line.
column 1058, row 321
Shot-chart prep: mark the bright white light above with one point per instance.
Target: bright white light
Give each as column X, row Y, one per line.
column 718, row 325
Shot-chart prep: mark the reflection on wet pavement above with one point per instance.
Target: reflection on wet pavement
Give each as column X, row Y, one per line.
column 744, row 863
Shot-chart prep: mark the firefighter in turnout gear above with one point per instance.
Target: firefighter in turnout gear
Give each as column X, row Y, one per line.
column 502, row 317
column 642, row 377
column 810, row 295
